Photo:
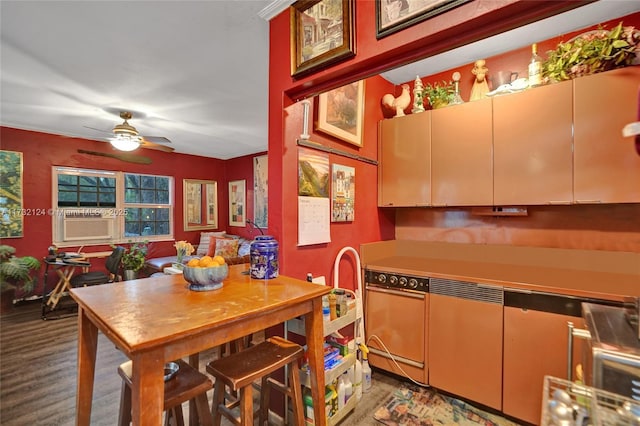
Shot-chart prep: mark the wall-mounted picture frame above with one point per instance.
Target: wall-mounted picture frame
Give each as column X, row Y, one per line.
column 341, row 112
column 11, row 197
column 237, row 203
column 200, row 204
column 322, row 33
column 261, row 191
column 395, row 15
column 343, row 193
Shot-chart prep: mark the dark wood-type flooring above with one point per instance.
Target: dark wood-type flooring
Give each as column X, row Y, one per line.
column 38, row 374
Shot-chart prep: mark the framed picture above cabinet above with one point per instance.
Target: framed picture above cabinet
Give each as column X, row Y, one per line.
column 396, row 15
column 322, row 33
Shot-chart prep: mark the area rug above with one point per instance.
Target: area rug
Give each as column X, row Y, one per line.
column 411, row 405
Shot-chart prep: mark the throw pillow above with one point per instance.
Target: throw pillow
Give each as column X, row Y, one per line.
column 205, row 237
column 226, row 248
column 212, row 244
column 245, row 247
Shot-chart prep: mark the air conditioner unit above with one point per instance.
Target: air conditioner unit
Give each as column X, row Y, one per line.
column 90, row 224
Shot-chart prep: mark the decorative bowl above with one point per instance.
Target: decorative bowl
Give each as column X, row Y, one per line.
column 207, row 278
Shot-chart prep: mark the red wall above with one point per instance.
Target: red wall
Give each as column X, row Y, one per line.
column 41, row 151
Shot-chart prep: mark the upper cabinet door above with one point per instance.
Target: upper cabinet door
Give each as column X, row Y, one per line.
column 607, row 167
column 532, row 143
column 461, row 155
column 404, row 168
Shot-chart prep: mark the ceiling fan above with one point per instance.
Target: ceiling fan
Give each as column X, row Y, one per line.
column 127, row 138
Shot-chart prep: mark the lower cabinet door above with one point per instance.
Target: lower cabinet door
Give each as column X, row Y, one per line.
column 465, row 348
column 535, row 345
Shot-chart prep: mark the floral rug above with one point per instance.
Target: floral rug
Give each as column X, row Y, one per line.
column 414, row 406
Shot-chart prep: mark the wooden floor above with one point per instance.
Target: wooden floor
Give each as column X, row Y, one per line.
column 38, row 361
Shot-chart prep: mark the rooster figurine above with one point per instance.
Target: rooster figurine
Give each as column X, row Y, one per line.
column 400, row 103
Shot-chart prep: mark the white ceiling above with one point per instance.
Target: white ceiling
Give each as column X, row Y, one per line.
column 195, row 72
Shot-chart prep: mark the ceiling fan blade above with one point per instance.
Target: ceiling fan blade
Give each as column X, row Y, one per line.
column 156, row 139
column 130, row 158
column 99, row 130
column 150, row 145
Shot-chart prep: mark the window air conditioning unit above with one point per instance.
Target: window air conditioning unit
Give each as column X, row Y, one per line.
column 87, row 224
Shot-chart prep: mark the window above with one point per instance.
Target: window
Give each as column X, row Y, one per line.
column 106, row 207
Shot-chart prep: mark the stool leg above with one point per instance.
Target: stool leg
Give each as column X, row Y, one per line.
column 296, row 393
column 218, row 398
column 177, row 410
column 124, row 417
column 246, row 405
column 202, row 405
column 265, row 389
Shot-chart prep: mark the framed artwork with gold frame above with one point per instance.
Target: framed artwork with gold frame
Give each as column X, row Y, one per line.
column 341, row 112
column 396, row 15
column 200, row 204
column 322, row 33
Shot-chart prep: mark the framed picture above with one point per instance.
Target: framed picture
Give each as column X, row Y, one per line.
column 200, row 204
column 321, row 34
column 260, row 191
column 11, row 200
column 396, row 15
column 237, row 203
column 343, row 192
column 341, row 112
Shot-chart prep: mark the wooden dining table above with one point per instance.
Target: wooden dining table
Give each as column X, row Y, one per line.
column 159, row 319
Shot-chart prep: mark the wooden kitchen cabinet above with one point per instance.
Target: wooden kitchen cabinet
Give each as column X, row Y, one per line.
column 461, row 155
column 532, row 142
column 535, row 345
column 404, row 169
column 465, row 347
column 606, row 165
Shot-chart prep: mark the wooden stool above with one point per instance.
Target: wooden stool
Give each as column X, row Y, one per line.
column 240, row 370
column 188, row 384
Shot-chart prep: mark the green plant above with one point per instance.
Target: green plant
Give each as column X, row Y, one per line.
column 592, row 52
column 439, row 94
column 16, row 271
column 133, row 257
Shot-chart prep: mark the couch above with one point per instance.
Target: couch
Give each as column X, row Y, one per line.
column 206, row 246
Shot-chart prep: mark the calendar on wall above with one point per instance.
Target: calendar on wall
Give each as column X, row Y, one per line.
column 313, row 221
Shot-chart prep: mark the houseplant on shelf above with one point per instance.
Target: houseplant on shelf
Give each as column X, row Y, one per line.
column 133, row 259
column 15, row 272
column 439, row 94
column 592, row 52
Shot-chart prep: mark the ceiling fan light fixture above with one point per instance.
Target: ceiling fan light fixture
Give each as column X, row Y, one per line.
column 125, row 142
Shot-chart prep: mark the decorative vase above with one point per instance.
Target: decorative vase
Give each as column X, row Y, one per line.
column 264, row 257
column 130, row 274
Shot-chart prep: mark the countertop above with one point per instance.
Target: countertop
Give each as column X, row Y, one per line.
column 593, row 274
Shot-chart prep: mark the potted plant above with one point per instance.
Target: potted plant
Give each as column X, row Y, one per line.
column 15, row 272
column 592, row 52
column 439, row 94
column 133, row 259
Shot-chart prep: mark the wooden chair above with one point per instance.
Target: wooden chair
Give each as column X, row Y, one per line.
column 241, row 369
column 188, row 384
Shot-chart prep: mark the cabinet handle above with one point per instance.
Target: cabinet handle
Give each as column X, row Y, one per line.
column 559, row 203
column 573, row 332
column 588, row 201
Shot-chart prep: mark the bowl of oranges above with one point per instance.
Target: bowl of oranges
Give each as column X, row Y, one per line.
column 205, row 273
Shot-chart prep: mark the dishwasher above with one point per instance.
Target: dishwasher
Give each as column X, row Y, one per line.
column 465, row 340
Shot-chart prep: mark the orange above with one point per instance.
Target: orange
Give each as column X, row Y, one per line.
column 193, row 262
column 220, row 260
column 205, row 260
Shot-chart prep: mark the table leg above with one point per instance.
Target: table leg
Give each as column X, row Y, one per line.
column 87, row 348
column 147, row 388
column 194, row 361
column 315, row 338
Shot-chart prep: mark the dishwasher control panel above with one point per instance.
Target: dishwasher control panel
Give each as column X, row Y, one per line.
column 397, row 281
